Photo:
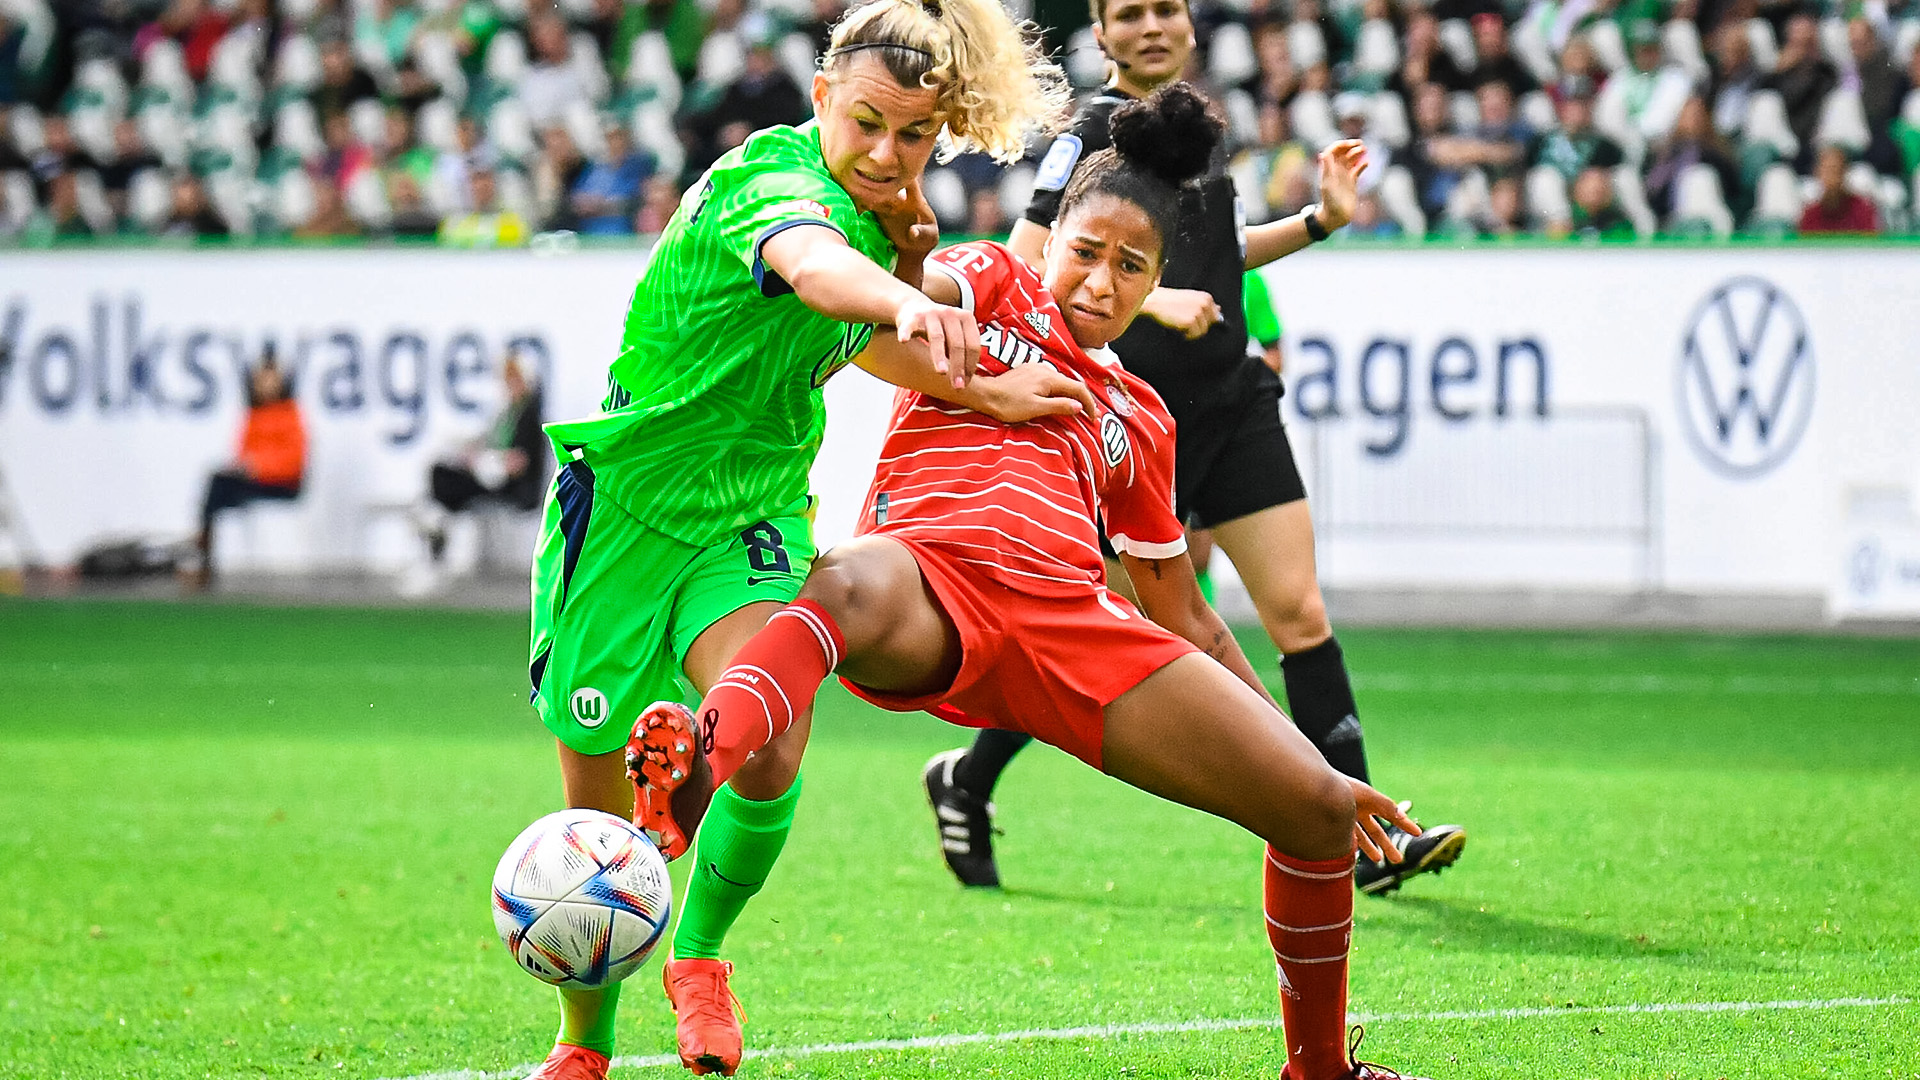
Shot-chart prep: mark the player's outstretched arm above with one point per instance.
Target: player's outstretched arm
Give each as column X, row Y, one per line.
column 1169, row 594
column 1026, row 393
column 1340, row 167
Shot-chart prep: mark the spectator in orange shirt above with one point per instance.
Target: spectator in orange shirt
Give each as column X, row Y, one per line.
column 271, row 462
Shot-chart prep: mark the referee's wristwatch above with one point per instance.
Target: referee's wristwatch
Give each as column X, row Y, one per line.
column 1310, row 217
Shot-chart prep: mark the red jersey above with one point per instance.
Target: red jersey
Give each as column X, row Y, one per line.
column 1020, row 502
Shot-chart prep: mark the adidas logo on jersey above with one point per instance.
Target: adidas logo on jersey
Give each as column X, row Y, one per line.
column 1041, row 324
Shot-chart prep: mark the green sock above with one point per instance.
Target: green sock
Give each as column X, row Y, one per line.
column 738, row 843
column 586, row 1017
column 1206, row 584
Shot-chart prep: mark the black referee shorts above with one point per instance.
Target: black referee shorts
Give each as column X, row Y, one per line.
column 1232, row 458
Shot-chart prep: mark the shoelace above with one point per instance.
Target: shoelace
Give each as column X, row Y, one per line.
column 709, row 998
column 1365, row 1070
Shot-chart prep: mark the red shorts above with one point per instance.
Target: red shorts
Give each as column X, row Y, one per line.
column 1048, row 666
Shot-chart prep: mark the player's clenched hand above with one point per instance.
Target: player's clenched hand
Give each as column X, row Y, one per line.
column 1340, row 168
column 908, row 222
column 1190, row 311
column 1031, row 391
column 952, row 336
column 1369, row 808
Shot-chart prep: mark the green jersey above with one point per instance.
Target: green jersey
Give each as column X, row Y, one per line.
column 714, row 411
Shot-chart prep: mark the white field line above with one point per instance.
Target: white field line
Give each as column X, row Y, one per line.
column 1105, row 1031
column 1740, row 685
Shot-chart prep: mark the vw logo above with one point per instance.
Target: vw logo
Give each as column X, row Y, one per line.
column 1746, row 378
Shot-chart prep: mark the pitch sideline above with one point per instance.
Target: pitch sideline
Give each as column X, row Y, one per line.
column 1100, row 1031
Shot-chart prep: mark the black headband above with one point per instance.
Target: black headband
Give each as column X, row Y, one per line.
column 843, row 50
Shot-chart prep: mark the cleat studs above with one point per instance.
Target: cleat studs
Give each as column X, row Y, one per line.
column 680, row 748
column 678, row 775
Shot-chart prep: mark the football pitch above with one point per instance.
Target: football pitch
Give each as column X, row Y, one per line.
column 241, row 841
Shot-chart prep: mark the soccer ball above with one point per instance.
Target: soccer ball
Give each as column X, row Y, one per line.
column 581, row 898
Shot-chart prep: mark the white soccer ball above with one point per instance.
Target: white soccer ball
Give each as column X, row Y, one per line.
column 581, row 898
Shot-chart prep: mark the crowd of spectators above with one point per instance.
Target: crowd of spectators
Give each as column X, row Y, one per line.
column 484, row 122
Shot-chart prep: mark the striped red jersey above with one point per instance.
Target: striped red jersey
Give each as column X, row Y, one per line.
column 1021, row 501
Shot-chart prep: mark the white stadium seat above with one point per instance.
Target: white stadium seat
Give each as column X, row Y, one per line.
column 149, row 198
column 1243, row 117
column 1401, row 202
column 164, row 68
column 293, row 199
column 1463, row 110
column 1377, row 51
column 297, row 65
column 1833, row 42
column 1609, row 45
column 1777, row 196
column 1312, row 116
column 1764, row 46
column 1388, row 119
column 367, row 201
column 296, row 129
column 1230, row 57
column 1546, row 190
column 1632, row 194
column 1457, row 38
column 722, row 56
column 1699, row 199
column 797, row 57
column 368, row 119
column 1306, row 44
column 1766, row 124
column 1536, row 110
column 947, row 195
column 506, row 60
column 1906, row 39
column 650, row 71
column 1681, row 40
column 510, row 130
column 1843, row 122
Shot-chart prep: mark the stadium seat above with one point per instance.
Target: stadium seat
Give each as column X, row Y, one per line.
column 1243, row 118
column 1609, row 45
column 229, row 130
column 653, row 130
column 1906, row 39
column 1086, row 64
column 1777, row 197
column 1843, row 122
column 439, row 60
column 1895, row 208
column 947, row 194
column 25, row 129
column 1910, row 109
column 516, row 193
column 367, row 201
column 1306, row 44
column 1470, row 201
column 1766, row 124
column 1463, row 110
column 293, row 199
column 1388, row 119
column 1631, row 191
column 792, row 11
column 164, row 129
column 92, row 129
column 1546, row 189
column 368, row 119
column 585, row 59
column 91, row 196
column 650, row 75
column 1537, row 112
column 39, row 28
column 99, row 84
column 575, row 11
column 1699, row 201
column 796, row 56
column 506, row 60
column 1457, row 38
column 722, row 56
column 1376, row 54
column 1230, row 58
column 1681, row 40
column 582, row 122
column 1533, row 47
column 231, row 194
column 296, row 67
column 514, row 11
column 1833, row 43
column 17, row 206
column 1763, row 44
column 1248, row 179
column 163, row 73
column 371, row 53
column 234, row 68
column 509, row 129
column 1312, row 117
column 296, row 129
column 149, row 199
column 1016, row 190
column 1862, row 180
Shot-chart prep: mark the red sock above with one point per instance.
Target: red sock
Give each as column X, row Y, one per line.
column 1310, row 923
column 773, row 679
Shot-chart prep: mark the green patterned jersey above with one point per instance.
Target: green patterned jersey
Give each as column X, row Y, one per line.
column 714, row 411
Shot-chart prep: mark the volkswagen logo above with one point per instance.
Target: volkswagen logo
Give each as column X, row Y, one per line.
column 1746, row 378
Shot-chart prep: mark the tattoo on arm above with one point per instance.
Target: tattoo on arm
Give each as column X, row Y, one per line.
column 1218, row 647
column 1154, row 565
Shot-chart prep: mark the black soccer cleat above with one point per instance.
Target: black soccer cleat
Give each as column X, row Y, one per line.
column 1429, row 853
column 965, row 821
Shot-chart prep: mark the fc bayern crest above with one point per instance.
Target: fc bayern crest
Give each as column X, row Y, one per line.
column 1118, row 397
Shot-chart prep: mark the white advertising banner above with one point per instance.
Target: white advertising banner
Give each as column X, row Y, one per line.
column 1600, row 418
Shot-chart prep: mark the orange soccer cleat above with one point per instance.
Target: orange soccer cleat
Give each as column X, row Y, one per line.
column 569, row 1062
column 672, row 784
column 704, row 1005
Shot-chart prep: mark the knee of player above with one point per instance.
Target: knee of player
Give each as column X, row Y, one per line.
column 852, row 587
column 1326, row 828
column 1296, row 616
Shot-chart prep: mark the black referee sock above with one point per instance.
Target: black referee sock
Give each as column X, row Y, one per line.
column 986, row 759
column 1321, row 701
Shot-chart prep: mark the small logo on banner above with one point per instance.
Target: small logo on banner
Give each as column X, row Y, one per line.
column 1113, row 439
column 804, row 206
column 1058, row 165
column 589, row 707
column 1746, row 378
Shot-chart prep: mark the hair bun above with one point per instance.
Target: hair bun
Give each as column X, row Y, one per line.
column 1171, row 134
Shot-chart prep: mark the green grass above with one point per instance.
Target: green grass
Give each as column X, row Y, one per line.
column 247, row 842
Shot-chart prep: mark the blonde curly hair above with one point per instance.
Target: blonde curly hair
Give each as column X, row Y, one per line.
column 992, row 82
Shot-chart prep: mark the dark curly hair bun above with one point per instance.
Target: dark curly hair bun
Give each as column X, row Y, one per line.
column 1171, row 135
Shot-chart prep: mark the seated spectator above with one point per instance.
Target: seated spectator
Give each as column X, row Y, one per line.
column 342, row 81
column 1496, row 61
column 1735, row 76
column 485, row 223
column 660, row 199
column 197, row 25
column 1656, row 88
column 1804, row 78
column 1350, row 112
column 1503, row 218
column 1277, row 80
column 130, row 156
column 1434, row 178
column 1506, row 141
column 1882, row 88
column 1574, row 145
column 1579, row 67
column 506, row 466
column 551, row 83
column 607, row 194
column 1596, row 209
column 558, row 168
column 345, row 158
column 271, row 462
column 411, row 215
column 985, row 215
column 191, row 215
column 387, row 27
column 402, row 153
column 329, row 220
column 763, row 95
column 1838, row 210
column 58, row 156
column 1693, row 142
column 59, row 218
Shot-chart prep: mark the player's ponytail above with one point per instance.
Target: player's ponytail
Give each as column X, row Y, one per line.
column 1159, row 146
column 993, row 84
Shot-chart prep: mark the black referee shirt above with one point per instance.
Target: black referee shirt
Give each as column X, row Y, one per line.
column 1206, row 251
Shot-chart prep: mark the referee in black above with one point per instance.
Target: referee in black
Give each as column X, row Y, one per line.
column 1234, row 470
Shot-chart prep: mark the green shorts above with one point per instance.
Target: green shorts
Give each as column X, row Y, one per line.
column 616, row 605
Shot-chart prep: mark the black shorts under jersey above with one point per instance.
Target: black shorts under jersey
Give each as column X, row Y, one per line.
column 1232, row 457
